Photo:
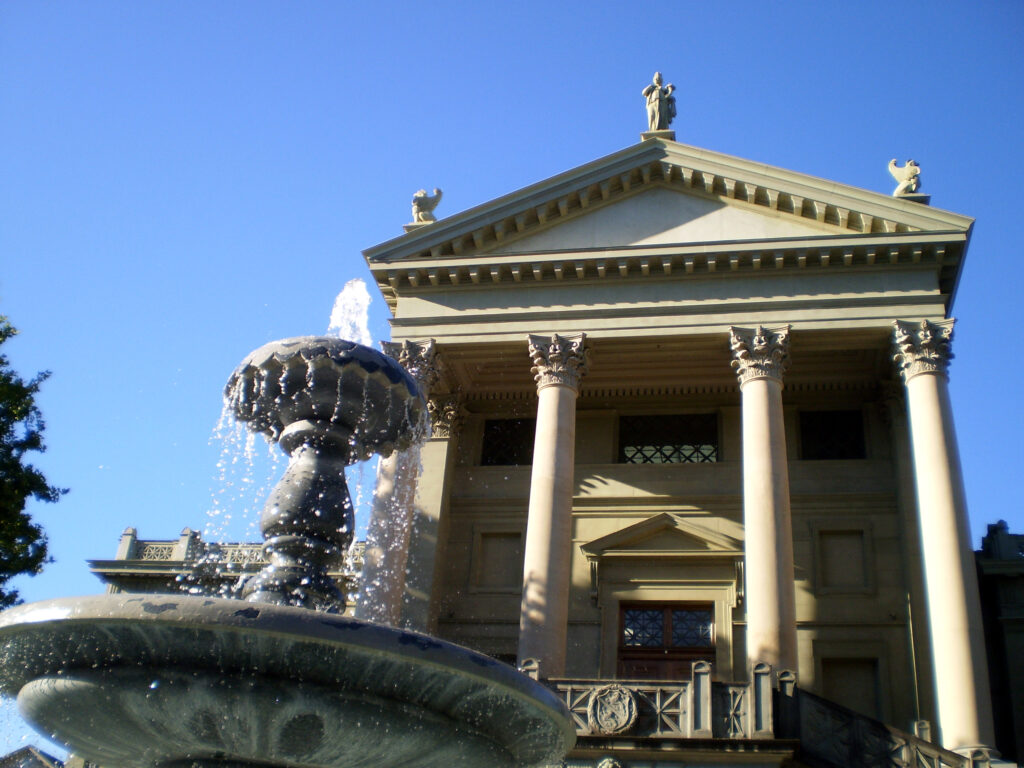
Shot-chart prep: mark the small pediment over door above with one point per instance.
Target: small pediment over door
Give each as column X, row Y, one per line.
column 664, row 535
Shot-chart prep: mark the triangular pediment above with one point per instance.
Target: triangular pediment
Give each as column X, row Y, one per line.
column 663, row 215
column 716, row 194
column 666, row 534
column 660, row 207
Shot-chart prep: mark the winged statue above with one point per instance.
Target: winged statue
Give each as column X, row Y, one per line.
column 423, row 206
column 908, row 178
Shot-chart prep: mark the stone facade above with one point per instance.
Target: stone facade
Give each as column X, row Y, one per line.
column 738, row 465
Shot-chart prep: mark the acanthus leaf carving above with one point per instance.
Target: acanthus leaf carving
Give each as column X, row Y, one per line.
column 419, row 358
column 924, row 347
column 558, row 359
column 760, row 352
column 445, row 415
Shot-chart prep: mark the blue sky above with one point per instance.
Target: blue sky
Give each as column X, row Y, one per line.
column 182, row 182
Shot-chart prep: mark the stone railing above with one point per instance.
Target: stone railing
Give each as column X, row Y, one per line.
column 770, row 710
column 160, row 565
column 832, row 735
column 154, row 550
column 190, row 549
column 689, row 709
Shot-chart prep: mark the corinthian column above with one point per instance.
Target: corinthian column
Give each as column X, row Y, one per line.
column 922, row 355
column 430, row 520
column 558, row 364
column 760, row 357
column 387, row 538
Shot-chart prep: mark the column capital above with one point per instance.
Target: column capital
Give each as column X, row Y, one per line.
column 558, row 359
column 445, row 415
column 419, row 358
column 924, row 347
column 759, row 353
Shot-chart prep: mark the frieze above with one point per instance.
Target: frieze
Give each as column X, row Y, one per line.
column 759, row 353
column 558, row 359
column 925, row 347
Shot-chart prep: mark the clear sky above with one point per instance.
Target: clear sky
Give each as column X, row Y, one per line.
column 181, row 182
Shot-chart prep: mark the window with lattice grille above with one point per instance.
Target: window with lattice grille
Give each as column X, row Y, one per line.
column 661, row 641
column 668, row 439
column 832, row 435
column 508, row 442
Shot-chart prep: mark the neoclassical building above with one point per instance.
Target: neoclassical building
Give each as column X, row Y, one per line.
column 693, row 460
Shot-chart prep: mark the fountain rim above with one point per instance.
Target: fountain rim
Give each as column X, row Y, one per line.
column 320, row 346
column 186, row 614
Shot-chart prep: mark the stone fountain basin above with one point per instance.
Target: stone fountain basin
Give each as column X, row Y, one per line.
column 132, row 680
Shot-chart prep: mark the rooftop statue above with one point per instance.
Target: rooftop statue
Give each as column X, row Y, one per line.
column 661, row 104
column 423, row 206
column 908, row 177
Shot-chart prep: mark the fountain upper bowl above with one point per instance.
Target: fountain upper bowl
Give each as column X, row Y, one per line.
column 349, row 394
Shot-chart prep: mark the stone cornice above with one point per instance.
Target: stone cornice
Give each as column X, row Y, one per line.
column 558, row 360
column 759, row 353
column 419, row 358
column 924, row 347
column 940, row 251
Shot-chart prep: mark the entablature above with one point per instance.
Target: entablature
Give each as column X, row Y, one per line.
column 940, row 253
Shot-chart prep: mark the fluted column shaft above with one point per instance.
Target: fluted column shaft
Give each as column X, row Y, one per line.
column 760, row 357
column 559, row 363
column 922, row 354
column 390, row 528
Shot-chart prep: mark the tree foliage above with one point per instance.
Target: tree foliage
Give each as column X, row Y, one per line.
column 22, row 543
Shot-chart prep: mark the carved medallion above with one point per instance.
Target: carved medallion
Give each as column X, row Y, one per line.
column 612, row 709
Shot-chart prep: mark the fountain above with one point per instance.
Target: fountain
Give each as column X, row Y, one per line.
column 280, row 678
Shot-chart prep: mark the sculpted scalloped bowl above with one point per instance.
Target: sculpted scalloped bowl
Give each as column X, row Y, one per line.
column 366, row 398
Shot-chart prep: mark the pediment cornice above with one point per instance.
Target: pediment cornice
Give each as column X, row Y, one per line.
column 628, row 541
column 868, row 227
column 667, row 164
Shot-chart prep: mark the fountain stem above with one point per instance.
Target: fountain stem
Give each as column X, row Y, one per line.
column 307, row 524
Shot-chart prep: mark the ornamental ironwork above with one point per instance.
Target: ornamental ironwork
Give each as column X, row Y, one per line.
column 643, row 627
column 692, row 628
column 668, row 439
